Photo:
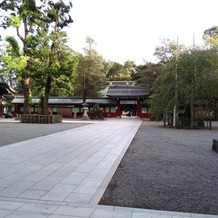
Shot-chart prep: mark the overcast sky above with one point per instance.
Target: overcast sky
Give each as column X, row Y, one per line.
column 131, row 29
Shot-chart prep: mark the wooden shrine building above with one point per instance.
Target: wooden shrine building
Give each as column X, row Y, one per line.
column 119, row 98
column 5, row 90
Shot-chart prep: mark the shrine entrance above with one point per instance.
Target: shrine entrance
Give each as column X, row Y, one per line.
column 128, row 108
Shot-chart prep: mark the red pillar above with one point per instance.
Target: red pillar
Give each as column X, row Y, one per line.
column 15, row 110
column 138, row 111
column 118, row 111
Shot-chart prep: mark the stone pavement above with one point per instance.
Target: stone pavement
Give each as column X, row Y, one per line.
column 64, row 175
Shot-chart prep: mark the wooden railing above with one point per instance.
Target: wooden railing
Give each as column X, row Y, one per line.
column 33, row 118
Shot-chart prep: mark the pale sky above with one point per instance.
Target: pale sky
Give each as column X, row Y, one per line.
column 131, row 29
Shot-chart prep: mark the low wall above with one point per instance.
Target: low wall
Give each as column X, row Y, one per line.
column 34, row 118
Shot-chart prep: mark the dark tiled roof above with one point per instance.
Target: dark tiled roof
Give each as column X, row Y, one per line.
column 19, row 99
column 5, row 89
column 70, row 101
column 127, row 91
column 121, row 83
column 79, row 101
column 101, row 101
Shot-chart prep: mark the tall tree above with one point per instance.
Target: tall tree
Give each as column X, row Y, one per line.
column 210, row 37
column 49, row 47
column 119, row 72
column 197, row 78
column 163, row 98
column 114, row 71
column 31, row 21
column 91, row 72
column 62, row 72
column 22, row 15
column 168, row 49
column 146, row 74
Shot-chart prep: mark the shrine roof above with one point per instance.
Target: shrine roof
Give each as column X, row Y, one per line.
column 127, row 91
column 5, row 89
column 66, row 100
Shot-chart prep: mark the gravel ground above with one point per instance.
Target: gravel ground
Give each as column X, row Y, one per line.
column 167, row 169
column 11, row 132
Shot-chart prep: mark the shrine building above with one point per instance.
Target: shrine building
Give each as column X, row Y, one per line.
column 118, row 99
column 5, row 90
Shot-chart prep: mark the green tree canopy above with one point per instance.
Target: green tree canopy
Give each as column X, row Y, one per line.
column 49, row 51
column 197, row 79
column 168, row 49
column 39, row 25
column 12, row 62
column 22, row 16
column 119, row 72
column 91, row 72
column 146, row 74
column 210, row 37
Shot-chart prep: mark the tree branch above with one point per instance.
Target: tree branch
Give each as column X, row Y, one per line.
column 19, row 35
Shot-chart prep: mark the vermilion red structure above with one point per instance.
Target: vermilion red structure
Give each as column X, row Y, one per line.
column 120, row 98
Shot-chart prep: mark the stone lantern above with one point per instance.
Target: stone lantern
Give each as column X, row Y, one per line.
column 85, row 110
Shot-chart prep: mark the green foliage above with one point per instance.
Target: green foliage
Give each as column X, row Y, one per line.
column 13, row 46
column 14, row 21
column 60, row 65
column 114, row 71
column 163, row 89
column 57, row 60
column 14, row 63
column 168, row 49
column 119, row 72
column 23, row 15
column 146, row 74
column 210, row 37
column 44, row 55
column 197, row 78
column 91, row 72
column 59, row 13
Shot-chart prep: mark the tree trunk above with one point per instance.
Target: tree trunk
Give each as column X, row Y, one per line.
column 46, row 96
column 26, row 93
column 84, row 95
column 210, row 118
column 165, row 117
column 42, row 105
column 192, row 113
column 1, row 107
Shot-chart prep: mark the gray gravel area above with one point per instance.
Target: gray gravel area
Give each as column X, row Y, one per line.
column 13, row 131
column 167, row 169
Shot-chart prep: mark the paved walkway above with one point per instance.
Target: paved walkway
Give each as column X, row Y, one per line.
column 64, row 175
